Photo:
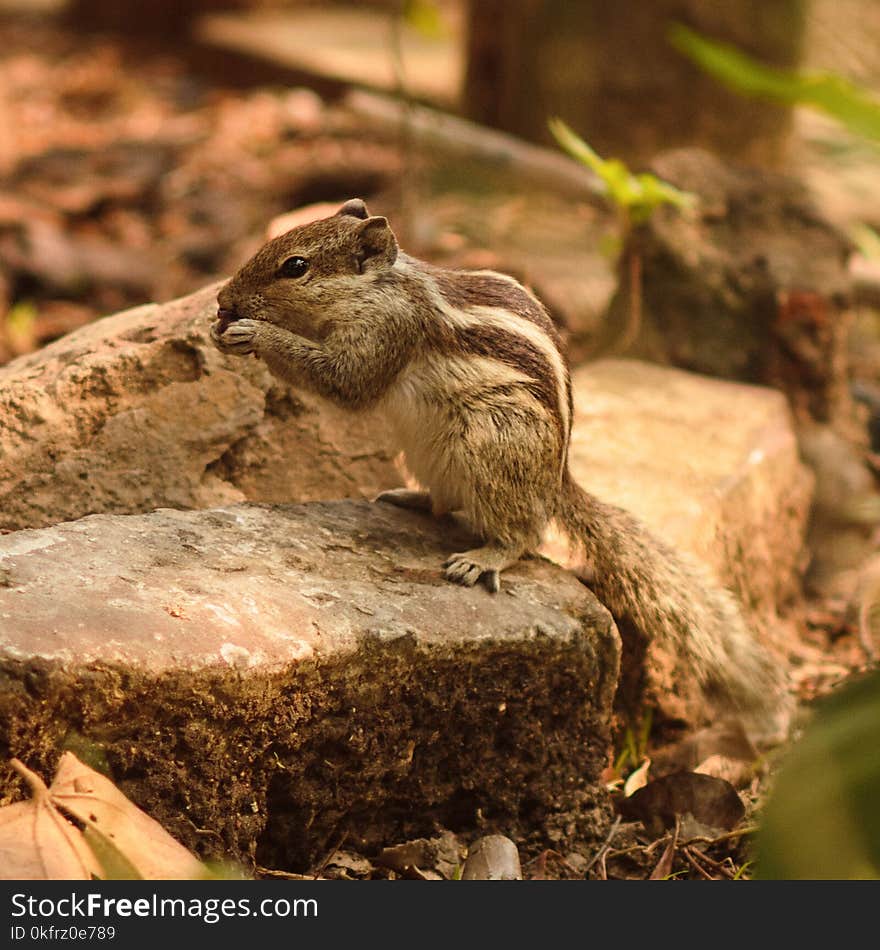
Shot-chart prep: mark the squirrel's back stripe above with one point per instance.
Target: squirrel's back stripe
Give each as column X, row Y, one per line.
column 493, row 316
column 519, row 354
column 467, row 289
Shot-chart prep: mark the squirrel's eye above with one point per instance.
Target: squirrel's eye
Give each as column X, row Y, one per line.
column 293, row 267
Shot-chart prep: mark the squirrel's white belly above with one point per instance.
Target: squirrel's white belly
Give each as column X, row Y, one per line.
column 440, row 414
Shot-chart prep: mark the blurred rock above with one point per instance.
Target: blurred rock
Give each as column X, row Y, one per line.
column 139, row 410
column 713, row 468
column 753, row 284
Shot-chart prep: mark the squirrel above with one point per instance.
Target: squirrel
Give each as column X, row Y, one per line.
column 468, row 368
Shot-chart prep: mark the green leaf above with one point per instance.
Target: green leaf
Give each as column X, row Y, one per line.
column 424, row 17
column 114, row 863
column 822, row 819
column 21, row 324
column 867, row 240
column 21, row 316
column 636, row 196
column 850, row 104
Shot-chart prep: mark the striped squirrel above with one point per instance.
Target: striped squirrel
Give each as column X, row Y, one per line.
column 467, row 367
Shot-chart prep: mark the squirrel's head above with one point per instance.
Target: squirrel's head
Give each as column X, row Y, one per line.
column 300, row 278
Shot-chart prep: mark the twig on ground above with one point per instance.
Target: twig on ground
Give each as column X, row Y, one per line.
column 603, row 849
column 330, row 854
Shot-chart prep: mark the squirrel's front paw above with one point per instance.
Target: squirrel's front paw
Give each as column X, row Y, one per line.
column 238, row 337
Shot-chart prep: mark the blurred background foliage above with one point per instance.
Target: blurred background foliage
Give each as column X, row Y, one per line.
column 852, row 105
column 822, row 820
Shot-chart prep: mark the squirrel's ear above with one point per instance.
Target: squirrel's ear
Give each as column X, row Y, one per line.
column 377, row 243
column 354, row 207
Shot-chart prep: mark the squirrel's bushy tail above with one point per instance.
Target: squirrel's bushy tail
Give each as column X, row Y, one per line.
column 669, row 598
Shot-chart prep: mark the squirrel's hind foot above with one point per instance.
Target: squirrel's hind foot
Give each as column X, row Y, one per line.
column 484, row 564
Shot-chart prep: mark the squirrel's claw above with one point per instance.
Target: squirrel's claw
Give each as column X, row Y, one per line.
column 237, row 338
column 463, row 569
column 484, row 564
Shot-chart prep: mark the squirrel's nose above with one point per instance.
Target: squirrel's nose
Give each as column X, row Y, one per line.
column 226, row 303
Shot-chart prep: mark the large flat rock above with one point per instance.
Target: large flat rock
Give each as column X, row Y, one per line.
column 710, row 466
column 139, row 410
column 277, row 676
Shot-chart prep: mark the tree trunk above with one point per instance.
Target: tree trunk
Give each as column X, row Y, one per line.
column 610, row 72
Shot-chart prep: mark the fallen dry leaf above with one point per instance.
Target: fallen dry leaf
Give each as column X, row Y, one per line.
column 712, row 801
column 611, row 778
column 637, row 779
column 663, row 868
column 38, row 842
column 348, row 865
column 442, row 854
column 105, row 811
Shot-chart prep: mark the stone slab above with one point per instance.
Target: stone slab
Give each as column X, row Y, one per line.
column 711, row 466
column 279, row 675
